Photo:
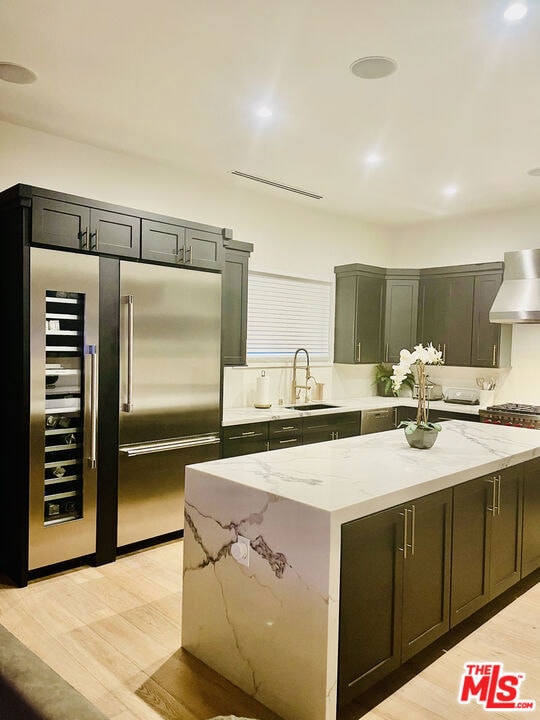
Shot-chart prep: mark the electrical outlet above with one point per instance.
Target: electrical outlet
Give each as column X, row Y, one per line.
column 240, row 550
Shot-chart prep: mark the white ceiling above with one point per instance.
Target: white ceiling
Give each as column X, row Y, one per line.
column 178, row 81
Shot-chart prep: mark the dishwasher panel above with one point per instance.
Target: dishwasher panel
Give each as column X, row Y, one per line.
column 377, row 420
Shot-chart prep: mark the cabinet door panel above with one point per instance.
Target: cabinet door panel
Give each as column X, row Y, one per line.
column 115, row 233
column 470, row 548
column 345, row 325
column 426, row 579
column 162, row 242
column 505, row 556
column 433, row 311
column 459, row 323
column 485, row 335
column 369, row 317
column 531, row 518
column 204, row 249
column 60, row 224
column 400, row 318
column 370, row 599
column 234, row 307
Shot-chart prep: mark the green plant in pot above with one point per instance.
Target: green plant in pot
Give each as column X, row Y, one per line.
column 384, row 382
column 420, row 433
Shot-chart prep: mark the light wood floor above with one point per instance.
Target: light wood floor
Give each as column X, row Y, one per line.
column 113, row 632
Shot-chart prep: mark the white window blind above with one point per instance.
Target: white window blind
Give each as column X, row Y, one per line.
column 286, row 313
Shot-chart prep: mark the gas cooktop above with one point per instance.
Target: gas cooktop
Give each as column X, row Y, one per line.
column 519, row 408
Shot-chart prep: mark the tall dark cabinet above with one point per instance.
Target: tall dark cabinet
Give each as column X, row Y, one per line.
column 55, row 487
column 234, row 300
column 358, row 334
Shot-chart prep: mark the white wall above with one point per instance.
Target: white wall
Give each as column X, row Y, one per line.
column 288, row 238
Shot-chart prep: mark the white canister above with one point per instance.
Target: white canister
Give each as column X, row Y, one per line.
column 262, row 394
column 486, row 397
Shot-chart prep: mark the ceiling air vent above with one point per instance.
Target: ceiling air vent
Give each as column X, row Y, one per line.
column 277, row 184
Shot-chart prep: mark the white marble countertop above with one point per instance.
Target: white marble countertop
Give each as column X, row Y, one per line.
column 357, row 476
column 238, row 416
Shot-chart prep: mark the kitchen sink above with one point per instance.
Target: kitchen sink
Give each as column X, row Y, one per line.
column 311, row 406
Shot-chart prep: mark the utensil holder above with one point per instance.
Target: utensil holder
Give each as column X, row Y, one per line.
column 487, row 397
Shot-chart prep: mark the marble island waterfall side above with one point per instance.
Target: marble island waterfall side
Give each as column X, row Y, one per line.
column 262, row 544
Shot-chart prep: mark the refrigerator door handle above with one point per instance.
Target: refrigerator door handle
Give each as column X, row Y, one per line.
column 128, row 405
column 164, row 445
column 92, row 351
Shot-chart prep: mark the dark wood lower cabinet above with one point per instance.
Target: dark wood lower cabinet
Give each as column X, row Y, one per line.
column 245, row 439
column 486, row 540
column 395, row 589
column 530, row 555
column 320, row 428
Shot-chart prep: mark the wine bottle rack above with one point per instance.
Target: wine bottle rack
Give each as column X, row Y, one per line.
column 64, row 411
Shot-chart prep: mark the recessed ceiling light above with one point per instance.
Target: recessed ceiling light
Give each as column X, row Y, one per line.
column 373, row 159
column 535, row 172
column 373, row 67
column 514, row 12
column 16, row 74
column 450, row 190
column 263, row 112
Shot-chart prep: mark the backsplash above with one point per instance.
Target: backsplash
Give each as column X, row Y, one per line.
column 353, row 381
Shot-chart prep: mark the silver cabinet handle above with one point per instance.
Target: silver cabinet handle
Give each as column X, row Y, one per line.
column 180, row 255
column 444, row 353
column 413, row 529
column 337, row 435
column 498, row 480
column 94, row 245
column 189, row 254
column 92, row 351
column 267, row 445
column 493, row 508
column 245, row 435
column 405, row 533
column 494, row 358
column 288, row 427
column 83, row 244
column 386, row 353
column 128, row 405
column 359, row 352
column 284, row 442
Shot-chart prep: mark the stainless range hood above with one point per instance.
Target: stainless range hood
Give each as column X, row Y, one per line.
column 518, row 299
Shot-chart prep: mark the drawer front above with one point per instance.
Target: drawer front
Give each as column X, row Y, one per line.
column 285, row 442
column 245, row 439
column 285, row 428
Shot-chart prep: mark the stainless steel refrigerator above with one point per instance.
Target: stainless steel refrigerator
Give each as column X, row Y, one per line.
column 170, row 392
column 163, row 362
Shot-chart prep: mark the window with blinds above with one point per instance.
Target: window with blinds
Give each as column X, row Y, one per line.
column 286, row 313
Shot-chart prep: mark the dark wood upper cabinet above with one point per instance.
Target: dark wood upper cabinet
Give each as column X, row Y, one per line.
column 358, row 332
column 445, row 316
column 234, row 302
column 68, row 225
column 491, row 342
column 453, row 314
column 401, row 310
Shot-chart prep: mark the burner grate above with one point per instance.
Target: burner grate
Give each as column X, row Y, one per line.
column 520, row 408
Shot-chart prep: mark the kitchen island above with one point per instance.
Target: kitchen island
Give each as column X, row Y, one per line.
column 263, row 548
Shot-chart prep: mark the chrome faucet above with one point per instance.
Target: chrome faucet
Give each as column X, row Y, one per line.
column 295, row 387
